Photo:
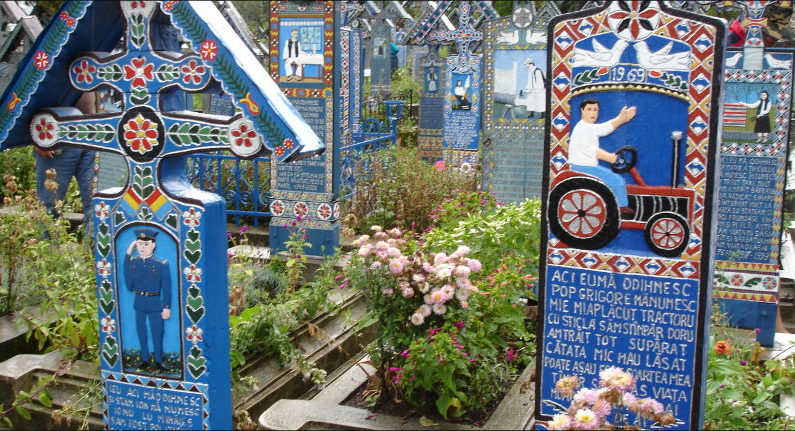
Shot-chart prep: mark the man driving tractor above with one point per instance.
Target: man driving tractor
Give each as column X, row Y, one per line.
column 584, row 151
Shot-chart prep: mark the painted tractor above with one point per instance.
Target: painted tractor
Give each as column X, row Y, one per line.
column 584, row 213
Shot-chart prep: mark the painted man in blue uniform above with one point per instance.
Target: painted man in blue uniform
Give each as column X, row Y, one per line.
column 149, row 279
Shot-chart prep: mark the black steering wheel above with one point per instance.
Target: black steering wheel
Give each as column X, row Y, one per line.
column 626, row 157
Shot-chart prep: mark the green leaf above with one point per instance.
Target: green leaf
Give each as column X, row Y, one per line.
column 23, row 412
column 442, row 404
column 44, row 398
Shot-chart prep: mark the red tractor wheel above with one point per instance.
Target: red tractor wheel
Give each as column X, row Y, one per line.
column 583, row 213
column 667, row 234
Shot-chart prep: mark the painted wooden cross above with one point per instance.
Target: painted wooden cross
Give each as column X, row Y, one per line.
column 462, row 36
column 462, row 101
column 160, row 244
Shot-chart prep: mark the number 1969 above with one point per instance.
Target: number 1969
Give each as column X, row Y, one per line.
column 628, row 74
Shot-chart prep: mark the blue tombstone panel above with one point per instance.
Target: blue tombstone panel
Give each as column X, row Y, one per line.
column 431, row 107
column 461, row 131
column 380, row 69
column 756, row 117
column 627, row 224
column 514, row 100
column 304, row 192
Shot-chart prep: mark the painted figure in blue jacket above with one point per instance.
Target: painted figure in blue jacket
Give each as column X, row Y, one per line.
column 149, row 279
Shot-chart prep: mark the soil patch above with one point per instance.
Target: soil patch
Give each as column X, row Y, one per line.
column 389, row 407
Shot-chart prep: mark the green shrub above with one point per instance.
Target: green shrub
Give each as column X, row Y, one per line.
column 264, row 283
column 19, row 163
column 493, row 234
column 743, row 391
column 396, row 188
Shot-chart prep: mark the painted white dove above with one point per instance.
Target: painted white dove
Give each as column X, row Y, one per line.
column 600, row 56
column 508, row 38
column 775, row 63
column 533, row 37
column 734, row 59
column 661, row 59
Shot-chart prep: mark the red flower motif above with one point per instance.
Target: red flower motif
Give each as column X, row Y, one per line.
column 192, row 71
column 301, row 209
column 192, row 217
column 139, row 72
column 170, row 5
column 243, row 136
column 41, row 60
column 288, row 143
column 84, row 71
column 138, row 3
column 737, row 280
column 769, row 283
column 279, row 151
column 140, row 134
column 102, row 210
column 70, row 21
column 44, row 128
column 64, row 15
column 324, row 211
column 193, row 274
column 103, row 268
column 277, row 207
column 209, row 50
column 194, row 333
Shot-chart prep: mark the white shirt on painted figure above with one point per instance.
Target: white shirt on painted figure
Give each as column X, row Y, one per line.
column 584, row 142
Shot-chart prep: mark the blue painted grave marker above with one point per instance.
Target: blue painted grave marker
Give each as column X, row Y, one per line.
column 625, row 274
column 159, row 243
column 431, row 107
column 514, row 100
column 381, row 38
column 756, row 117
column 329, row 99
column 461, row 110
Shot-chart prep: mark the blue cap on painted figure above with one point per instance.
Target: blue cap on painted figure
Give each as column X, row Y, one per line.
column 145, row 234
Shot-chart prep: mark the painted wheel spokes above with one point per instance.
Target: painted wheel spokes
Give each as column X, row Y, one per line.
column 582, row 213
column 667, row 233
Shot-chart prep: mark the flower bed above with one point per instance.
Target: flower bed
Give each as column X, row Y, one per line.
column 452, row 334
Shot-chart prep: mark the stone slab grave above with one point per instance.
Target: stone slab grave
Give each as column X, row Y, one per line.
column 326, row 409
column 625, row 272
column 159, row 243
column 460, row 90
column 753, row 160
column 514, row 100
